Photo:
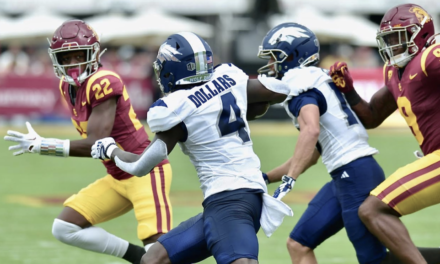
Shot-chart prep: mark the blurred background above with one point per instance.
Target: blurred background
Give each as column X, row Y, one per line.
column 33, row 187
column 132, row 31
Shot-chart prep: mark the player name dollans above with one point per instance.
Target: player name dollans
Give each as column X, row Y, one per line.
column 211, row 89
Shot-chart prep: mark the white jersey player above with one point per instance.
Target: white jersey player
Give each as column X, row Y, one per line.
column 342, row 138
column 328, row 128
column 205, row 112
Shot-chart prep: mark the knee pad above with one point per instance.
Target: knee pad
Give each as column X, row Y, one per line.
column 64, row 231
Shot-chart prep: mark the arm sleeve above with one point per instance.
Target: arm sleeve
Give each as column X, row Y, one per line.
column 313, row 96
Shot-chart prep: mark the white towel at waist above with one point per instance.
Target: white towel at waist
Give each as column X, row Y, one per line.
column 273, row 214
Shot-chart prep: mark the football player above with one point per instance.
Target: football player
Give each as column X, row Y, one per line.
column 204, row 111
column 406, row 43
column 100, row 107
column 327, row 128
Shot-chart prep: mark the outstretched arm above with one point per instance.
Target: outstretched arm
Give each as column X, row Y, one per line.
column 99, row 126
column 257, row 92
column 276, row 174
column 371, row 114
column 139, row 165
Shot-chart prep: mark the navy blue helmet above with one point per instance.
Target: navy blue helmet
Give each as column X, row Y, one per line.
column 289, row 45
column 183, row 59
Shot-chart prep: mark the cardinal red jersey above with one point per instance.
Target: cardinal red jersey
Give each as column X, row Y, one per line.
column 127, row 131
column 417, row 93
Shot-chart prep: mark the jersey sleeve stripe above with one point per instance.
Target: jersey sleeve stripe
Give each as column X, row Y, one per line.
column 156, row 201
column 425, row 56
column 96, row 76
column 125, row 94
column 408, row 178
column 164, row 196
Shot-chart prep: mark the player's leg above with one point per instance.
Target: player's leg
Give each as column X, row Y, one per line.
column 409, row 189
column 151, row 203
column 354, row 182
column 231, row 223
column 184, row 244
column 74, row 226
column 321, row 220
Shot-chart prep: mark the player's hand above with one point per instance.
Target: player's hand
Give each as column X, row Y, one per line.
column 341, row 77
column 285, row 187
column 103, row 148
column 27, row 143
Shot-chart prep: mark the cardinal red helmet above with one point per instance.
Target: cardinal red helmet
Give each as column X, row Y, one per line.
column 405, row 30
column 75, row 35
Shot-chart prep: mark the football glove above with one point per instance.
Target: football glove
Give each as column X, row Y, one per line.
column 341, row 77
column 103, row 148
column 27, row 143
column 418, row 154
column 285, row 187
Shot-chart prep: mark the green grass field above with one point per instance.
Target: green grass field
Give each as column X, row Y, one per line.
column 32, row 189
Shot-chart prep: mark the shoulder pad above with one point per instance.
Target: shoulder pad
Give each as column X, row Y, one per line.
column 169, row 111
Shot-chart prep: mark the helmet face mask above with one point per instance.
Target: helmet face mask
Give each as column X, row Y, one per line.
column 83, row 69
column 405, row 30
column 71, row 36
column 183, row 60
column 287, row 46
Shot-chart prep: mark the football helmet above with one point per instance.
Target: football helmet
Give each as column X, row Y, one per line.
column 290, row 45
column 404, row 31
column 74, row 35
column 183, row 59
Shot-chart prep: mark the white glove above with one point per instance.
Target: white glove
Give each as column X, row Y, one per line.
column 27, row 143
column 103, row 148
column 418, row 154
column 285, row 187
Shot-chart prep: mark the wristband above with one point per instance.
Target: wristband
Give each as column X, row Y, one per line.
column 54, row 147
column 109, row 150
column 352, row 97
column 266, row 179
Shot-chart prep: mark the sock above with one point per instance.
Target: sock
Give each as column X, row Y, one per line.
column 134, row 254
column 431, row 255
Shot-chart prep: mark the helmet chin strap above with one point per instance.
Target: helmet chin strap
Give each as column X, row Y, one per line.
column 74, row 73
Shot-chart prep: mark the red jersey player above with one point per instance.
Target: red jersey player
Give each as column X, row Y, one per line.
column 100, row 107
column 411, row 73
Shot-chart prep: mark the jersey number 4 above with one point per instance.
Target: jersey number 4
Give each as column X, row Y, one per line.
column 230, row 120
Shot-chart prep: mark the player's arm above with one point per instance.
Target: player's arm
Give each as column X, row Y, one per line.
column 259, row 92
column 140, row 165
column 371, row 114
column 277, row 173
column 304, row 154
column 100, row 125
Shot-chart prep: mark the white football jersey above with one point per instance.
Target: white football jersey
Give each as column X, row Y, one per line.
column 342, row 136
column 218, row 137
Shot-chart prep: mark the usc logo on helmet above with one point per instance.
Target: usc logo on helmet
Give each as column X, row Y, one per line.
column 420, row 13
